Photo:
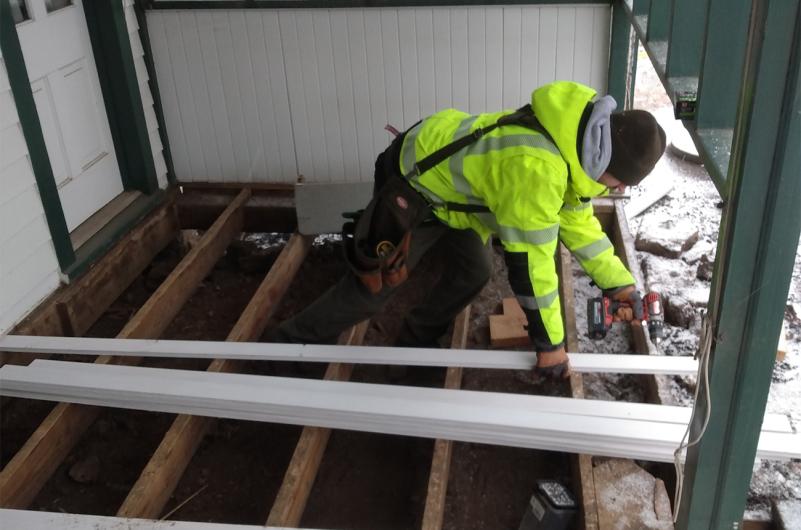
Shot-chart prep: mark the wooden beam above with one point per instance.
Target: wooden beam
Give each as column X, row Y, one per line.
column 266, row 211
column 290, row 502
column 434, row 513
column 581, row 464
column 74, row 308
column 157, row 482
column 29, row 469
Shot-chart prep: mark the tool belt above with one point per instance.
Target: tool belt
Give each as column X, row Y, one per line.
column 377, row 239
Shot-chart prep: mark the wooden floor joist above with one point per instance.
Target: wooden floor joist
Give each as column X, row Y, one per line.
column 434, row 513
column 290, row 502
column 26, row 473
column 74, row 308
column 155, row 485
column 581, row 463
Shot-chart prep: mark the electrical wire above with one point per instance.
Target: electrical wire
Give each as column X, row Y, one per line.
column 702, row 380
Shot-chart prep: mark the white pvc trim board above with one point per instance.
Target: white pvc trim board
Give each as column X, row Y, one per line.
column 34, row 520
column 537, row 422
column 258, row 351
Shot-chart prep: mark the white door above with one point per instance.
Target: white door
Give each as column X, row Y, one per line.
column 58, row 55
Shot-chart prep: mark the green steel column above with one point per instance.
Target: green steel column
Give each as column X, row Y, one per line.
column 756, row 249
column 622, row 58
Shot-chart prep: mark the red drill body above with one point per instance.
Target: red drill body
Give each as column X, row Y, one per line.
column 601, row 316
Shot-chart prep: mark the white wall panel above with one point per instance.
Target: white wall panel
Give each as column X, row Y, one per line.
column 266, row 95
column 28, row 265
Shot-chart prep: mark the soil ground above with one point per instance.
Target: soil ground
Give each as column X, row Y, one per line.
column 366, row 481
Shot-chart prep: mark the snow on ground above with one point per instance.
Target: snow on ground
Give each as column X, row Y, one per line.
column 695, row 198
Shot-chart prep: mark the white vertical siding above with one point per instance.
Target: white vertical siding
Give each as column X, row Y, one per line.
column 28, row 264
column 267, row 95
column 144, row 90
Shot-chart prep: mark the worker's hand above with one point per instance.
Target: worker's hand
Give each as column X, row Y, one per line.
column 554, row 364
column 633, row 309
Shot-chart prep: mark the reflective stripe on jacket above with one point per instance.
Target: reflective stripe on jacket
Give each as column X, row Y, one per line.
column 533, row 190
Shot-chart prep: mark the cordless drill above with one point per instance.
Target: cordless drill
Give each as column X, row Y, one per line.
column 601, row 312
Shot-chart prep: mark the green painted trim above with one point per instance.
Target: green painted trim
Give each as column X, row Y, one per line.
column 144, row 36
column 722, row 67
column 115, row 68
column 756, row 250
column 686, row 38
column 330, row 4
column 32, row 131
column 660, row 16
column 113, row 231
column 622, row 58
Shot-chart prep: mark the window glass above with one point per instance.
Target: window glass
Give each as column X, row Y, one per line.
column 19, row 11
column 55, row 5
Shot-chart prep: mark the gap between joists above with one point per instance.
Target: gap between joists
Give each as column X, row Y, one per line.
column 290, row 502
column 158, row 480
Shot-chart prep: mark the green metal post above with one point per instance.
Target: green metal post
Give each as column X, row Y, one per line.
column 686, row 38
column 722, row 70
column 756, row 250
column 622, row 58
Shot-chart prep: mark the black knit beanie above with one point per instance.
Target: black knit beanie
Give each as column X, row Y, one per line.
column 637, row 143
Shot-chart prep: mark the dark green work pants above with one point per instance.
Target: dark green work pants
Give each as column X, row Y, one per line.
column 467, row 268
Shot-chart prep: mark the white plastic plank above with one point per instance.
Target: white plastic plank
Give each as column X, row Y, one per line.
column 482, row 417
column 281, row 120
column 174, row 28
column 333, row 169
column 212, row 169
column 476, row 63
column 381, row 355
column 494, row 74
column 33, row 520
column 494, row 359
column 224, row 41
column 512, row 47
column 168, row 94
column 249, row 95
column 424, row 25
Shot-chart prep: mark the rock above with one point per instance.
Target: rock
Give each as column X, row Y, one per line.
column 704, row 270
column 697, row 296
column 663, row 274
column 679, row 312
column 787, row 514
column 668, row 239
column 86, row 470
column 630, row 498
column 704, row 247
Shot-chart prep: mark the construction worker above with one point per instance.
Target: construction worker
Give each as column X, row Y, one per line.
column 527, row 180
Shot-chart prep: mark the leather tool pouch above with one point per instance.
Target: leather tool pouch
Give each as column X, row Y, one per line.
column 377, row 241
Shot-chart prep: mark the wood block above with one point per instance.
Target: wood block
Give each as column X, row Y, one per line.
column 509, row 330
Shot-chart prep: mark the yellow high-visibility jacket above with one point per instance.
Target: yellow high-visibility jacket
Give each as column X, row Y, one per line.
column 537, row 194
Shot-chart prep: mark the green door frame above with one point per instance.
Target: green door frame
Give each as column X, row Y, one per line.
column 117, row 73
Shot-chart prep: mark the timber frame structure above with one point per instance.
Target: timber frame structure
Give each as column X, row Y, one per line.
column 738, row 63
column 68, row 314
